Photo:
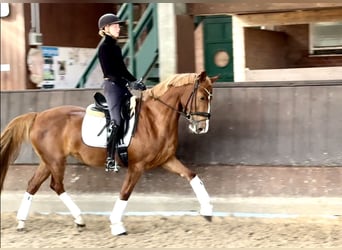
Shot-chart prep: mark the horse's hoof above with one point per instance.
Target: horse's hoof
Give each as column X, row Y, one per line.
column 80, row 227
column 21, row 226
column 118, row 229
column 122, row 234
column 208, row 218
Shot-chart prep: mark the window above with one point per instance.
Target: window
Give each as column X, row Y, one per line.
column 326, row 38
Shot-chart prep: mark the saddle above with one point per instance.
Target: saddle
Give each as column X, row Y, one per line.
column 97, row 119
column 102, row 106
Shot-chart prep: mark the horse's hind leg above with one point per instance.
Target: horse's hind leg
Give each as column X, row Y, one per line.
column 175, row 166
column 40, row 175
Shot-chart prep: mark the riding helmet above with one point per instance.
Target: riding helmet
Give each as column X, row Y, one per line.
column 108, row 18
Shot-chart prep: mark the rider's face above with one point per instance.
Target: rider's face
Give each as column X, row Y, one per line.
column 114, row 29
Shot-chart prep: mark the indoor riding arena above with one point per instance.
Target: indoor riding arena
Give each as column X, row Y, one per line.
column 271, row 162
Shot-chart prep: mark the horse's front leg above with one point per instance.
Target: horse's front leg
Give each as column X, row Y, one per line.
column 58, row 186
column 132, row 177
column 175, row 166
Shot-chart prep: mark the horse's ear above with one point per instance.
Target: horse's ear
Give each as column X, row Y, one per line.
column 214, row 78
column 202, row 76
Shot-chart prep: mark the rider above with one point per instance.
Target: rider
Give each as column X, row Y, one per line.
column 116, row 78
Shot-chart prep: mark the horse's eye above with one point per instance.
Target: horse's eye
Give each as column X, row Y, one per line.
column 202, row 98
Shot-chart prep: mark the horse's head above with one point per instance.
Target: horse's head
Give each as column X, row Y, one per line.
column 189, row 95
column 196, row 104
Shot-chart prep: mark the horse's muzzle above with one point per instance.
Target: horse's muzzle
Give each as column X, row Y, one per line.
column 199, row 127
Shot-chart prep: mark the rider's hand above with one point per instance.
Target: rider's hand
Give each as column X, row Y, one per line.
column 137, row 85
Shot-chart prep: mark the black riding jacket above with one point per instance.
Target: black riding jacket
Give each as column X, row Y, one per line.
column 112, row 63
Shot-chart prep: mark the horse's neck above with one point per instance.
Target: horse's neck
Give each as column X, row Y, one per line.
column 163, row 112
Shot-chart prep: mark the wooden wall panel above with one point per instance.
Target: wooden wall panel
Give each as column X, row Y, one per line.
column 265, row 125
column 251, row 124
column 72, row 24
column 185, row 44
column 265, row 49
column 13, row 48
column 292, row 17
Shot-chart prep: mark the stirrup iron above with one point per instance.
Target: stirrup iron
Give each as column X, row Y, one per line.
column 112, row 165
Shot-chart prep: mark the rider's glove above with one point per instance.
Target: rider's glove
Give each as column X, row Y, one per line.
column 137, row 85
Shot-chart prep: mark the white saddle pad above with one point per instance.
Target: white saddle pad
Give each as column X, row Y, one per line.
column 94, row 122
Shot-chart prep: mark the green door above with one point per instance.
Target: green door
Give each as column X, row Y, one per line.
column 218, row 47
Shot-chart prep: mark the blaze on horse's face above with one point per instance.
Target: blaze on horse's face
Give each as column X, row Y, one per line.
column 201, row 105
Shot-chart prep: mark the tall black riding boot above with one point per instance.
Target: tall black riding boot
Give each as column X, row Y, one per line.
column 112, row 138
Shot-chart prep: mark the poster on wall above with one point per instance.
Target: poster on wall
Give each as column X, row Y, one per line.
column 63, row 66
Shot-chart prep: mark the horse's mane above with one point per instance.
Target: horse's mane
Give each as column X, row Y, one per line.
column 176, row 80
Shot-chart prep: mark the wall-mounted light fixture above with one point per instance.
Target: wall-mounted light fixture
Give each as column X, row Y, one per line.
column 5, row 9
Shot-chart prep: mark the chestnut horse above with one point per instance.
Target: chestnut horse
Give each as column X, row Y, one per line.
column 56, row 133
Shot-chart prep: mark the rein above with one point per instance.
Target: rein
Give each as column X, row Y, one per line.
column 184, row 113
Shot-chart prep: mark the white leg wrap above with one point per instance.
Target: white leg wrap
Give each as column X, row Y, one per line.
column 74, row 209
column 117, row 226
column 202, row 196
column 118, row 211
column 21, row 225
column 24, row 207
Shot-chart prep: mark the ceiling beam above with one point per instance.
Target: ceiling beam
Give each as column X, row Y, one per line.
column 252, row 7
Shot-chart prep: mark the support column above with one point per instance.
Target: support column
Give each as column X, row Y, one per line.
column 239, row 50
column 167, row 37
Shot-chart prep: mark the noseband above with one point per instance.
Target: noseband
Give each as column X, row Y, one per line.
column 189, row 114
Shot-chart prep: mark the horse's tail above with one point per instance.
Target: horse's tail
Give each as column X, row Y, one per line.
column 15, row 133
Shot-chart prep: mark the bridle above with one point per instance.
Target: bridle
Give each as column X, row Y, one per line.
column 188, row 114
